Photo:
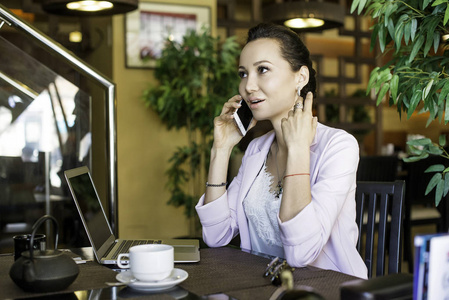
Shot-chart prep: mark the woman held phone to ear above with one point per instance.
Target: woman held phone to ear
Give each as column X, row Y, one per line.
column 293, row 196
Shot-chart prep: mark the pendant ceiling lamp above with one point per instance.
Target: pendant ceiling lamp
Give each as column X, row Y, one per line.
column 305, row 15
column 89, row 7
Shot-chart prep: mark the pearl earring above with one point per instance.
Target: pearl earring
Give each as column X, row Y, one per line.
column 298, row 91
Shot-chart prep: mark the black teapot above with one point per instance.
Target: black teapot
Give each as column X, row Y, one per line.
column 44, row 270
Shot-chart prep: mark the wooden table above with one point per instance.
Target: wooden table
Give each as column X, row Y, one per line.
column 221, row 270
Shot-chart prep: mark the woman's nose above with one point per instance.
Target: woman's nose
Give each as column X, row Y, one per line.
column 251, row 84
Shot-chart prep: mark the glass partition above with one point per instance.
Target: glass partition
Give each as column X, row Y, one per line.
column 46, row 128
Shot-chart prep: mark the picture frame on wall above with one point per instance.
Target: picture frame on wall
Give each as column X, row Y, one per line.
column 148, row 27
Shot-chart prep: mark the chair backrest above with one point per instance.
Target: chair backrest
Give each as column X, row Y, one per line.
column 380, row 215
column 377, row 168
column 416, row 185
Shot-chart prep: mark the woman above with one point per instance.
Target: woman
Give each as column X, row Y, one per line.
column 294, row 194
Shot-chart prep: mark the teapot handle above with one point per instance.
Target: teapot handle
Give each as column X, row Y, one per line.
column 36, row 226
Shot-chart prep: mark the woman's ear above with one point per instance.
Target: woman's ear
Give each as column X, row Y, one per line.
column 302, row 77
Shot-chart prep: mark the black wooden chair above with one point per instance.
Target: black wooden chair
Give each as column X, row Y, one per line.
column 424, row 212
column 380, row 216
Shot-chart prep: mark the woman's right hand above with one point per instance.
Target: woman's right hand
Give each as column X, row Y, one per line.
column 226, row 132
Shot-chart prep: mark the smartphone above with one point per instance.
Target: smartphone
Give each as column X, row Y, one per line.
column 243, row 117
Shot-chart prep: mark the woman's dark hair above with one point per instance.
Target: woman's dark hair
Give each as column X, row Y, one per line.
column 292, row 48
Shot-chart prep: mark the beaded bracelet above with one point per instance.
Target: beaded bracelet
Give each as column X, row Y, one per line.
column 216, row 185
column 299, row 174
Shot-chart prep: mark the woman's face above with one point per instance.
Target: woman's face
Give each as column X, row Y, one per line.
column 268, row 83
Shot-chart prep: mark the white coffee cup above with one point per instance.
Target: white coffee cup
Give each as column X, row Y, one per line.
column 153, row 262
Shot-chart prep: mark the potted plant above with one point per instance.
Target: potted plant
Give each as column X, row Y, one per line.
column 196, row 77
column 414, row 78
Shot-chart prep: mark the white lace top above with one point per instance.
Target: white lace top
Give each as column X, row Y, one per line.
column 262, row 208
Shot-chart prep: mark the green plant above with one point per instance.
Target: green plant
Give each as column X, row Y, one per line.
column 196, row 77
column 411, row 31
column 415, row 76
column 358, row 112
column 422, row 148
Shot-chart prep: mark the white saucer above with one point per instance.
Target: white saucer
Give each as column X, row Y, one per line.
column 176, row 277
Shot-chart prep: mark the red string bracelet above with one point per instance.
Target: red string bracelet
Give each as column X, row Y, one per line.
column 299, row 174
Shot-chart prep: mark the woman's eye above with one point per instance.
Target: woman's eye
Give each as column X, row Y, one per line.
column 262, row 69
column 242, row 74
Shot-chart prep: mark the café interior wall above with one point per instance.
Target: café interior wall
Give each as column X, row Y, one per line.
column 144, row 147
column 415, row 125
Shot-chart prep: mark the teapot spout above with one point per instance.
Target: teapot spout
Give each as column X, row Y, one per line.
column 28, row 272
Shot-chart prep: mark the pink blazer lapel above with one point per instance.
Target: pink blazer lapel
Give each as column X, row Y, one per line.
column 253, row 163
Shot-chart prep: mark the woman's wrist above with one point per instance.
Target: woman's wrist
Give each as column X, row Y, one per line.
column 298, row 150
column 298, row 161
column 220, row 151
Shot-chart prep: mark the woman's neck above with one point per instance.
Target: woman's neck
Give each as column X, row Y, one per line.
column 279, row 138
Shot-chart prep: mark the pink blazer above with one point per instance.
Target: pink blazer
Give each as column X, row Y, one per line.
column 324, row 233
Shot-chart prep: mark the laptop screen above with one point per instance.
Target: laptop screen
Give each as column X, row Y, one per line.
column 90, row 208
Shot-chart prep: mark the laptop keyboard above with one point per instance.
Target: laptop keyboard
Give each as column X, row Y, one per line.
column 124, row 247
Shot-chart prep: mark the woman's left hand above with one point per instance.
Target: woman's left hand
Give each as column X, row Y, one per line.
column 299, row 127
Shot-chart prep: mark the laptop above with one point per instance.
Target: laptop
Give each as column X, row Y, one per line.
column 106, row 247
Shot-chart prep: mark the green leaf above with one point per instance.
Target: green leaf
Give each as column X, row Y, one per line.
column 374, row 9
column 438, row 2
column 428, row 44
column 425, row 3
column 361, row 6
column 372, row 79
column 429, row 120
column 439, row 192
column 442, row 140
column 446, row 185
column 430, row 28
column 407, row 31
column 382, row 93
column 427, row 89
column 415, row 158
column 394, row 83
column 444, row 91
column 446, row 15
column 413, row 29
column 436, row 41
column 416, row 47
column 435, row 168
column 414, row 102
column 382, row 36
column 354, row 5
column 419, row 142
column 383, row 77
column 446, row 111
column 433, row 182
column 390, row 8
column 417, row 151
column 398, row 36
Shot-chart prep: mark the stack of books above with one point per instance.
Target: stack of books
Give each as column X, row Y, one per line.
column 431, row 274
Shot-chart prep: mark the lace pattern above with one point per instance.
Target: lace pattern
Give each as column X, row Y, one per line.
column 262, row 208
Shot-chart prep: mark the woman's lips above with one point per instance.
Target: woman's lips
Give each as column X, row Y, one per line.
column 255, row 103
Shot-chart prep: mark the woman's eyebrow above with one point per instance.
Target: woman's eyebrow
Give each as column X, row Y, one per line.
column 261, row 62
column 256, row 63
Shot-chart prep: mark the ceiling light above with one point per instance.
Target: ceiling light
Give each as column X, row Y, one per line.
column 89, row 7
column 304, row 22
column 75, row 37
column 306, row 15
